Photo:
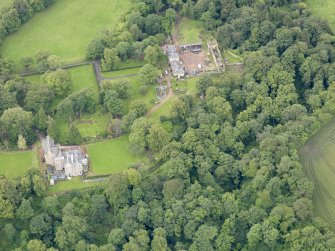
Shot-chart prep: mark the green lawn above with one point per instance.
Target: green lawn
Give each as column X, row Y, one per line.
column 318, row 160
column 68, row 185
column 5, row 3
column 323, row 9
column 15, row 164
column 119, row 73
column 65, row 29
column 112, row 156
column 189, row 31
column 83, row 77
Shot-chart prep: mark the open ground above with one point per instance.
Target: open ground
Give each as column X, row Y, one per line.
column 65, row 29
column 318, row 160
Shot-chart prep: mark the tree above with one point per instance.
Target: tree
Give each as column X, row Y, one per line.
column 117, row 237
column 15, row 122
column 157, row 137
column 21, row 143
column 53, row 130
column 36, row 245
column 138, row 134
column 37, row 97
column 159, row 242
column 11, row 21
column 149, row 74
column 112, row 103
column 54, row 62
column 152, row 55
column 95, row 50
column 123, row 50
column 153, row 24
column 41, row 119
column 203, row 83
column 169, row 20
column 39, row 186
column 73, row 136
column 98, row 209
column 59, row 80
column 27, row 62
column 10, row 232
column 40, row 224
column 70, row 232
column 110, row 60
column 25, row 212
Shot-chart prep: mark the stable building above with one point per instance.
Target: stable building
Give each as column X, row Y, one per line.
column 194, row 48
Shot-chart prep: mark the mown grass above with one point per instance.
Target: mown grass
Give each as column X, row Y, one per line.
column 189, row 31
column 112, row 156
column 317, row 158
column 323, row 9
column 68, row 185
column 16, row 164
column 65, row 29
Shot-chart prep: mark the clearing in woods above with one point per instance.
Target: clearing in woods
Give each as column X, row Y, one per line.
column 65, row 29
column 318, row 159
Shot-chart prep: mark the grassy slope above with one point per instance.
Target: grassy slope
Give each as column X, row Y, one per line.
column 317, row 157
column 112, row 156
column 323, row 9
column 15, row 164
column 65, row 29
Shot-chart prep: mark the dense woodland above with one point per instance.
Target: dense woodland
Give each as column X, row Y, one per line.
column 228, row 176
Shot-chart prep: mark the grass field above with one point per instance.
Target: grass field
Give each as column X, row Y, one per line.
column 112, row 156
column 5, row 3
column 65, row 29
column 323, row 9
column 318, row 160
column 189, row 31
column 15, row 164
